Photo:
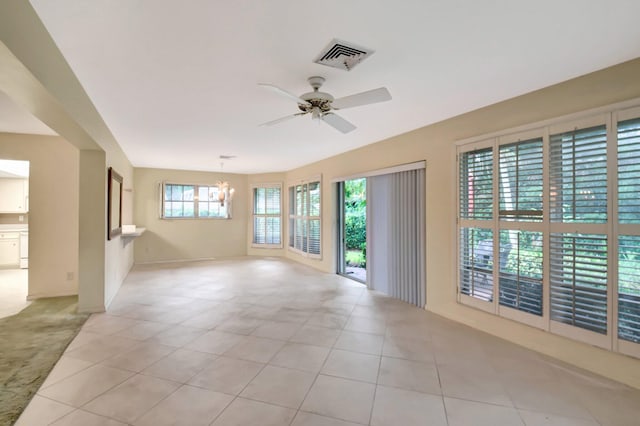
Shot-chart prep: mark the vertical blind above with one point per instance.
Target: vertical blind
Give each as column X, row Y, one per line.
column 396, row 245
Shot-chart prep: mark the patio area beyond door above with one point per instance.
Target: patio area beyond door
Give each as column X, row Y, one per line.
column 352, row 251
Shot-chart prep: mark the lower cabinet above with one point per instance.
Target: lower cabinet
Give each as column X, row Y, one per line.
column 9, row 249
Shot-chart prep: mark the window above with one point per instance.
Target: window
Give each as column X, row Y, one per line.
column 520, row 276
column 550, row 236
column 476, row 264
column 181, row 201
column 521, row 181
column 476, row 212
column 304, row 218
column 476, row 184
column 579, row 280
column 267, row 220
column 579, row 176
column 629, row 238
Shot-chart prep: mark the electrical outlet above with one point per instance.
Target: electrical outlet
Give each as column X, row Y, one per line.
column 20, row 218
column 69, row 276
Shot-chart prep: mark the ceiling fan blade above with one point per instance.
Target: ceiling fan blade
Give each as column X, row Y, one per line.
column 380, row 94
column 337, row 122
column 280, row 91
column 280, row 120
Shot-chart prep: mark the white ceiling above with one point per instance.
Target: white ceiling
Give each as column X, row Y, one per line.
column 14, row 169
column 176, row 82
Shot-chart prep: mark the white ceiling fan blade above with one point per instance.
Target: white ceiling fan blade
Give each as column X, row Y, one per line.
column 337, row 122
column 380, row 94
column 280, row 91
column 280, row 120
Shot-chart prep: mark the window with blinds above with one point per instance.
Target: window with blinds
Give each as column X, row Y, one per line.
column 476, row 184
column 579, row 280
column 267, row 229
column 520, row 173
column 476, row 263
column 629, row 288
column 629, row 171
column 304, row 218
column 578, row 192
column 567, row 232
column 520, row 274
column 181, row 201
column 629, row 218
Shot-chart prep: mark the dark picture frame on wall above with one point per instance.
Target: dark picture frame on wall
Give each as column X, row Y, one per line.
column 114, row 201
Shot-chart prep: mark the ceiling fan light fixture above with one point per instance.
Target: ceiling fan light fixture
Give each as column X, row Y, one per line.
column 320, row 105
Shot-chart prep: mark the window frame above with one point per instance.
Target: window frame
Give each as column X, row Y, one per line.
column 265, row 215
column 609, row 116
column 294, row 216
column 196, row 187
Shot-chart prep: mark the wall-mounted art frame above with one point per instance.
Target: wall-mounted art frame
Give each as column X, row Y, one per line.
column 114, row 201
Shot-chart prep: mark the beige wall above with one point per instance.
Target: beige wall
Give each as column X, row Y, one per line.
column 187, row 239
column 119, row 256
column 435, row 144
column 53, row 216
column 35, row 75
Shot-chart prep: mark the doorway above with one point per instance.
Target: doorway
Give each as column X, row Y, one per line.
column 352, row 253
column 14, row 236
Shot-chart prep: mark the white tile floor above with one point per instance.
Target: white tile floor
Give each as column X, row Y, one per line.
column 13, row 291
column 269, row 342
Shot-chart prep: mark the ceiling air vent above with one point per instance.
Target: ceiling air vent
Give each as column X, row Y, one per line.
column 342, row 55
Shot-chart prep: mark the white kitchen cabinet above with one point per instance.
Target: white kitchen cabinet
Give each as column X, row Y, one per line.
column 9, row 249
column 14, row 195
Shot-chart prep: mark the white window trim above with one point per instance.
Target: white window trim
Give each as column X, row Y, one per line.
column 161, row 192
column 254, row 215
column 293, row 216
column 609, row 115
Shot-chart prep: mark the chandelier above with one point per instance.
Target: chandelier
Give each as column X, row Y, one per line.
column 225, row 192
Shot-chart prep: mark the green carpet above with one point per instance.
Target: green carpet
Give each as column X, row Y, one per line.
column 31, row 342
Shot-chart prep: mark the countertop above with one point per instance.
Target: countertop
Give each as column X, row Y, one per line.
column 14, row 227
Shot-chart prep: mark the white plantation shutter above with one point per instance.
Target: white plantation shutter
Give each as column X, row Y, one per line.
column 567, row 200
column 579, row 280
column 314, row 218
column 267, row 229
column 476, row 264
column 520, row 276
column 476, row 184
column 629, row 219
column 304, row 218
column 579, row 176
column 521, row 181
column 629, row 171
column 629, row 288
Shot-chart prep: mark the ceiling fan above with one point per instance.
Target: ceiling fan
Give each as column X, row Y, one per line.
column 321, row 105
